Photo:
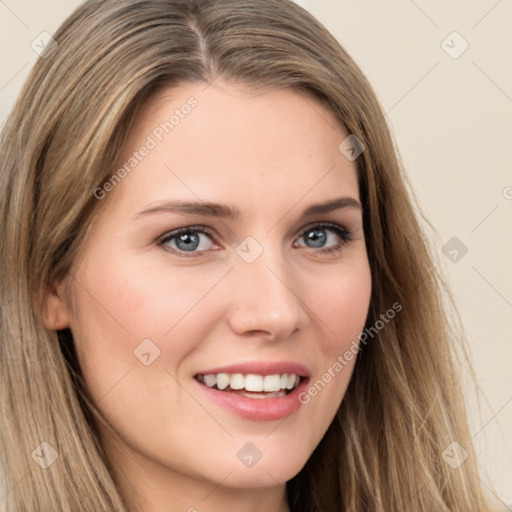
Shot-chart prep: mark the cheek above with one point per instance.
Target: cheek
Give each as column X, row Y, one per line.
column 126, row 310
column 143, row 300
column 120, row 305
column 129, row 316
column 341, row 304
column 341, row 307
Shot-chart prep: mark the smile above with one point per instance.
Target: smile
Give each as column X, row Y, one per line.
column 252, row 385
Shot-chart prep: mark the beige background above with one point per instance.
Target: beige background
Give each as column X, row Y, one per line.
column 452, row 119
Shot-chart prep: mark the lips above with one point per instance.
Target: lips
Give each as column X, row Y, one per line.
column 255, row 390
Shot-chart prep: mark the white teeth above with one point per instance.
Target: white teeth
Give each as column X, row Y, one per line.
column 210, row 380
column 237, row 381
column 271, row 383
column 251, row 382
column 223, row 380
column 291, row 381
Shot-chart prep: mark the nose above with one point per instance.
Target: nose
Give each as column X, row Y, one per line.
column 264, row 300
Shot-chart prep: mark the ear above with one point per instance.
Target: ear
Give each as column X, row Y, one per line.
column 54, row 310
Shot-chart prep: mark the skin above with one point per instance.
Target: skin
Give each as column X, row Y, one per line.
column 271, row 154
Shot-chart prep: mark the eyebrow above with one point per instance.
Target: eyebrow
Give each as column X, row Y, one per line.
column 232, row 212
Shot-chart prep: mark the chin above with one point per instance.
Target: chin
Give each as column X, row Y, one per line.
column 271, row 469
column 268, row 475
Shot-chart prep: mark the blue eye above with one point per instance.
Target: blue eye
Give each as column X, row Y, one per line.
column 318, row 236
column 186, row 239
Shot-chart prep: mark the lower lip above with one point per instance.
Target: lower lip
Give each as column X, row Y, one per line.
column 262, row 409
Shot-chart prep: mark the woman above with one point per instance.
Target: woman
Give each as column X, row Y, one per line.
column 171, row 341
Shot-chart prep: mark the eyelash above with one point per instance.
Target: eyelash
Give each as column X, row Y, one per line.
column 344, row 234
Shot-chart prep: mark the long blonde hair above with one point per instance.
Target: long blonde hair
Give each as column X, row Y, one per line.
column 403, row 406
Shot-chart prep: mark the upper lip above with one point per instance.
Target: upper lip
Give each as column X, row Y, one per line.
column 260, row 368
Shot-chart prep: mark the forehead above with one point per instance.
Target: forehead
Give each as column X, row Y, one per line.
column 222, row 139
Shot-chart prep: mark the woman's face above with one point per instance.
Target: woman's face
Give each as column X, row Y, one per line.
column 267, row 280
